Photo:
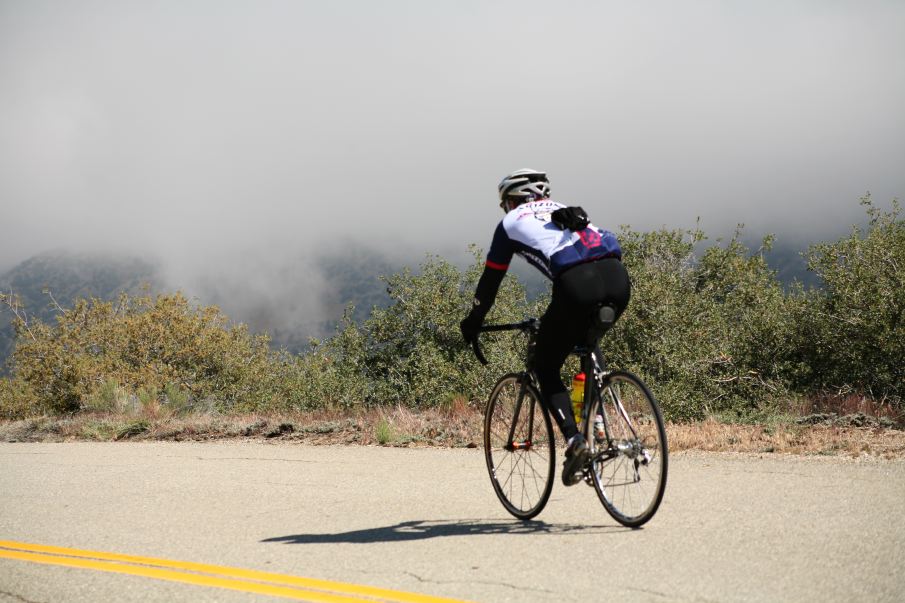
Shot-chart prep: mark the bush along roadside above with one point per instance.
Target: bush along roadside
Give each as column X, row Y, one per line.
column 709, row 327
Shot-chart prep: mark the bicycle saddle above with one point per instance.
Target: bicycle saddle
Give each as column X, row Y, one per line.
column 602, row 320
column 604, row 316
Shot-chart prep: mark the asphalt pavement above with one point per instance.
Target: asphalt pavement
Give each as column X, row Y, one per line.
column 426, row 523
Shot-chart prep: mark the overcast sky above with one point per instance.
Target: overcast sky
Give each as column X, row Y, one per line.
column 245, row 134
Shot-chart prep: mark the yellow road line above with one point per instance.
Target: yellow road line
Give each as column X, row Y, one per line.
column 267, row 583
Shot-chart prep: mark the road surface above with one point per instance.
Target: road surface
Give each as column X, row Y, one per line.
column 426, row 522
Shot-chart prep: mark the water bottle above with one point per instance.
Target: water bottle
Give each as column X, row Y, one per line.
column 599, row 430
column 577, row 396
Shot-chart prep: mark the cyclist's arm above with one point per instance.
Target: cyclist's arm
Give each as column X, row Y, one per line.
column 498, row 258
column 485, row 293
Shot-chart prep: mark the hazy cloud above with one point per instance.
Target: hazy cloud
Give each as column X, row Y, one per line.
column 236, row 141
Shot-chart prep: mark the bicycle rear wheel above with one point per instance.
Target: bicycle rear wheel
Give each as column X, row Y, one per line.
column 629, row 459
column 521, row 468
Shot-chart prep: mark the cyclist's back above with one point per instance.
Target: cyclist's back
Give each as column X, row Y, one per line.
column 529, row 231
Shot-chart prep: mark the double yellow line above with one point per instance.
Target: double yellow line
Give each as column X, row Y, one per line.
column 200, row 574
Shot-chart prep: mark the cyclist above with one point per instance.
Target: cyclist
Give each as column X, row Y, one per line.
column 584, row 263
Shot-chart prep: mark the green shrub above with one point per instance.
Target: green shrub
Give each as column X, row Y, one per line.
column 16, row 399
column 108, row 397
column 411, row 352
column 100, row 352
column 710, row 329
column 384, row 432
column 852, row 330
column 662, row 334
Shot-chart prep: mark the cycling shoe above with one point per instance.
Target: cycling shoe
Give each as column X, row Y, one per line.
column 576, row 457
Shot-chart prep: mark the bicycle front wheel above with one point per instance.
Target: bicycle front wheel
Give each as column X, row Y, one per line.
column 629, row 456
column 519, row 446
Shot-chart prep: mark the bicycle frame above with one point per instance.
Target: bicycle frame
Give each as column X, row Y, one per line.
column 591, row 363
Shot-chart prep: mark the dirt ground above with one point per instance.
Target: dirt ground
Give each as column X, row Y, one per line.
column 456, row 427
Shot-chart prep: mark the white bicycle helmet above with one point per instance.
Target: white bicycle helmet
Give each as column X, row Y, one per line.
column 523, row 185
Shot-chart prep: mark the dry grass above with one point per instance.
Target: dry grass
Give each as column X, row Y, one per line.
column 457, row 425
column 789, row 438
column 844, row 403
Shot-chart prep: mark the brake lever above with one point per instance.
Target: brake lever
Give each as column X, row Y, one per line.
column 476, row 347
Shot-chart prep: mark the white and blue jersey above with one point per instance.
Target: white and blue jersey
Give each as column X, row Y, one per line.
column 529, row 232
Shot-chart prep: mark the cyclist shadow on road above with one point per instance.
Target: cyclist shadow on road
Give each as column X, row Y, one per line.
column 422, row 530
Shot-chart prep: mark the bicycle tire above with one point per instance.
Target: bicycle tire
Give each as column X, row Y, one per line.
column 629, row 485
column 522, row 477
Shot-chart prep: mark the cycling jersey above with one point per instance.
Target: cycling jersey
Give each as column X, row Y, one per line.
column 529, row 232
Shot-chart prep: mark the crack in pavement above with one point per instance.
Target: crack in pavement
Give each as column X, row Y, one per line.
column 14, row 453
column 16, row 597
column 665, row 596
column 485, row 582
column 241, row 458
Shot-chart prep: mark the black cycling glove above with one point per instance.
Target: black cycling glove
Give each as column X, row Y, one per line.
column 486, row 291
column 573, row 218
column 470, row 328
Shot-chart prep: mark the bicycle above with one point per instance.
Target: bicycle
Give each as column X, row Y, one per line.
column 620, row 420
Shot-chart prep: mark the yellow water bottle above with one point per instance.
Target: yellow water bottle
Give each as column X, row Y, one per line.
column 577, row 395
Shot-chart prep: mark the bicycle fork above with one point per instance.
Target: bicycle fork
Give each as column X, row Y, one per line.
column 511, row 444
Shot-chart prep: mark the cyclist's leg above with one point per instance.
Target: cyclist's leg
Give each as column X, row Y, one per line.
column 555, row 341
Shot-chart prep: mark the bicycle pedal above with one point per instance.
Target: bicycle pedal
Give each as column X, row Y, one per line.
column 571, row 480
